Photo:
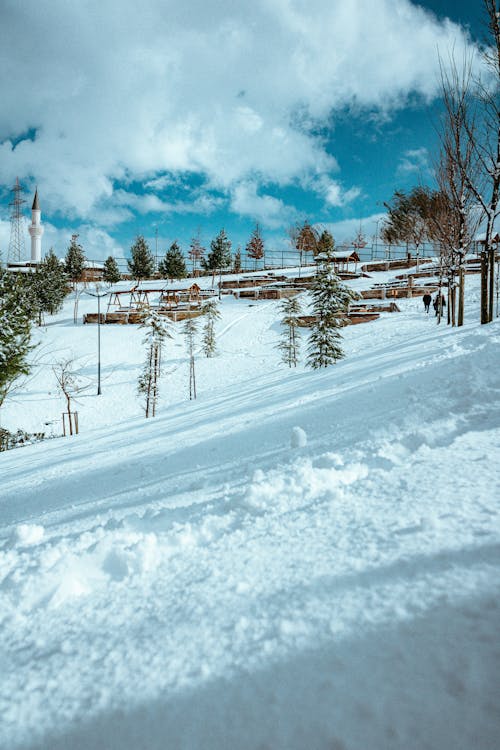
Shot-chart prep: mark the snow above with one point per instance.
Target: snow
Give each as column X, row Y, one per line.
column 294, row 560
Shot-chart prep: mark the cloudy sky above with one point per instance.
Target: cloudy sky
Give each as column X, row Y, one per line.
column 187, row 115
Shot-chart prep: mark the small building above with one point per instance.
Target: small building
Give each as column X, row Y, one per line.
column 341, row 261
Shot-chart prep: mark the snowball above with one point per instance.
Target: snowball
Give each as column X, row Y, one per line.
column 26, row 534
column 298, row 438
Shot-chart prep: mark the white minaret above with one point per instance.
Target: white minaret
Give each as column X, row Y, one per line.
column 36, row 230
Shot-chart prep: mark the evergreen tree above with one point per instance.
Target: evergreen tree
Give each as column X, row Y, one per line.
column 15, row 331
column 74, row 262
column 48, row 286
column 219, row 256
column 141, row 265
column 290, row 343
column 157, row 330
column 190, row 330
column 255, row 246
column 111, row 273
column 326, row 244
column 211, row 312
column 173, row 265
column 330, row 298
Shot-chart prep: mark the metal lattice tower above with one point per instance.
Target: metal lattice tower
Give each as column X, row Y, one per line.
column 17, row 228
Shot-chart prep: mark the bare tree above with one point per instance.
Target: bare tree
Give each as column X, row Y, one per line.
column 70, row 385
column 473, row 106
column 190, row 331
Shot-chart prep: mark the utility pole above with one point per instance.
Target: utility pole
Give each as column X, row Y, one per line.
column 16, row 243
column 156, row 249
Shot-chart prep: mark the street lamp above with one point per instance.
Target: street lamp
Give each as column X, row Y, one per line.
column 98, row 296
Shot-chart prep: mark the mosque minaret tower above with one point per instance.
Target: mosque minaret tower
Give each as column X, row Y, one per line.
column 36, row 230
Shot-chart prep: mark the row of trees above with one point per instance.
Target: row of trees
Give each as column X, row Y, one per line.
column 158, row 329
column 305, row 238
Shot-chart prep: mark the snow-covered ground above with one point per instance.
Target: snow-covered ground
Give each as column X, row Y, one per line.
column 294, row 560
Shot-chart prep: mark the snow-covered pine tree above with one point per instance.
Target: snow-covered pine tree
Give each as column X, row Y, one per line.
column 190, row 330
column 141, row 264
column 173, row 265
column 74, row 262
column 255, row 246
column 15, row 331
column 290, row 341
column 74, row 265
column 219, row 256
column 111, row 273
column 211, row 312
column 330, row 298
column 48, row 286
column 157, row 330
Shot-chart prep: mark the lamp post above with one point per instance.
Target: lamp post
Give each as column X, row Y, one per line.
column 375, row 250
column 98, row 296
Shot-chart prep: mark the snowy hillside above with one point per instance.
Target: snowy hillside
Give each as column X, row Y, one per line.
column 294, row 560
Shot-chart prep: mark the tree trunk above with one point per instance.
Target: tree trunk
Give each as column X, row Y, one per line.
column 484, row 287
column 491, row 291
column 461, row 285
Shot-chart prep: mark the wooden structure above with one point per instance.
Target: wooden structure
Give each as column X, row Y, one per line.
column 351, row 318
column 126, row 306
column 341, row 261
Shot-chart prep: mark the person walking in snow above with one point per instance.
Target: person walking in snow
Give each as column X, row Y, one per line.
column 427, row 302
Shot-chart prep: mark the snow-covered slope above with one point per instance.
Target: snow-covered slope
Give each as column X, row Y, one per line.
column 295, row 560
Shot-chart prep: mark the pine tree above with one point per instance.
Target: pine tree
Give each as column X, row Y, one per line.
column 290, row 343
column 74, row 262
column 196, row 253
column 330, row 298
column 173, row 265
column 141, row 265
column 157, row 330
column 111, row 273
column 211, row 312
column 326, row 244
column 190, row 330
column 15, row 332
column 219, row 256
column 48, row 286
column 255, row 246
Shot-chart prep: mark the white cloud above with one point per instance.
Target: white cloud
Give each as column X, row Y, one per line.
column 121, row 90
column 266, row 209
column 200, row 203
column 415, row 161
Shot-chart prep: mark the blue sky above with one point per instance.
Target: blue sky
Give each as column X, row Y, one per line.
column 202, row 115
